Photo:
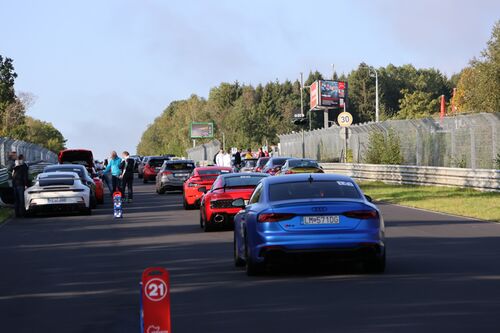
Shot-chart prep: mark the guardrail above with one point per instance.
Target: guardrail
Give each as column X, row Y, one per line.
column 479, row 179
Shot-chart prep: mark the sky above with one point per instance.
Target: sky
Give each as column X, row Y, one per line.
column 102, row 70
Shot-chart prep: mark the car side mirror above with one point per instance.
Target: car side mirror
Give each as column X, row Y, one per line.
column 368, row 198
column 238, row 203
column 202, row 189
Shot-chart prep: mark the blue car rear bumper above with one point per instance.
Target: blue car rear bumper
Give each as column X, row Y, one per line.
column 344, row 245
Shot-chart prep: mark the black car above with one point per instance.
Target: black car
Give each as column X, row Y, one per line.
column 82, row 172
column 273, row 166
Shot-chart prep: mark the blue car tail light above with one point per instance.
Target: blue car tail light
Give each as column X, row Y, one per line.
column 361, row 214
column 274, row 217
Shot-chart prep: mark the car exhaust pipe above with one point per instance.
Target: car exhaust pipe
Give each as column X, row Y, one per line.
column 219, row 218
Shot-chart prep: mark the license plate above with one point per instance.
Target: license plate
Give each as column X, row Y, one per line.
column 181, row 174
column 56, row 200
column 323, row 219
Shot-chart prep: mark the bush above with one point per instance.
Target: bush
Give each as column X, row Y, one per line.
column 384, row 149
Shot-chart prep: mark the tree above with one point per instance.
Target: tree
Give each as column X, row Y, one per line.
column 478, row 89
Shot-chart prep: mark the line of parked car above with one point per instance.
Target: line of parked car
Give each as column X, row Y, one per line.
column 71, row 185
column 280, row 209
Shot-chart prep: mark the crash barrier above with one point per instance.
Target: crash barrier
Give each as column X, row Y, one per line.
column 480, row 179
column 155, row 301
column 32, row 152
column 465, row 141
column 205, row 151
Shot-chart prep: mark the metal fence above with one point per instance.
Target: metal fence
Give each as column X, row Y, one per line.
column 31, row 151
column 204, row 152
column 479, row 179
column 467, row 141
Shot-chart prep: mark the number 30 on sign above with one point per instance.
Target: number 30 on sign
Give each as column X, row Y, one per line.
column 344, row 119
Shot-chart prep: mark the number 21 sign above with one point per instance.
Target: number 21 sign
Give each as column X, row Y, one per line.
column 155, row 298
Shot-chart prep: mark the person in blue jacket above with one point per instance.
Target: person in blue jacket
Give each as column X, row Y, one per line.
column 114, row 167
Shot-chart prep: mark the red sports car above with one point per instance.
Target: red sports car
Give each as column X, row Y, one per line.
column 201, row 177
column 216, row 207
column 152, row 167
column 86, row 158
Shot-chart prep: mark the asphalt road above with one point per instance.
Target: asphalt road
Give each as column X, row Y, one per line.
column 81, row 274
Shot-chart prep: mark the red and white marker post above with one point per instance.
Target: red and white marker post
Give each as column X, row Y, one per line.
column 155, row 299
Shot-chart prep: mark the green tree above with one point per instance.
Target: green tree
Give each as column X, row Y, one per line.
column 478, row 89
column 384, row 149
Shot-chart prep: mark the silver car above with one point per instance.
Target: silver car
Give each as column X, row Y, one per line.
column 173, row 174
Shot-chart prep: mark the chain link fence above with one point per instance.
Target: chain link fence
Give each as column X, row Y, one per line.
column 466, row 141
column 204, row 152
column 32, row 152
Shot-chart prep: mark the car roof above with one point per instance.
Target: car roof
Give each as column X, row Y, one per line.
column 306, row 176
column 179, row 161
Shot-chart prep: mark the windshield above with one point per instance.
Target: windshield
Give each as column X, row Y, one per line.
column 180, row 166
column 313, row 190
column 242, row 180
column 303, row 164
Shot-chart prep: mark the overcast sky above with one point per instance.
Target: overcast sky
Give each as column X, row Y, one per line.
column 103, row 70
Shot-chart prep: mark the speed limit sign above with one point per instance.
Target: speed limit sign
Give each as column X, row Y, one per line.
column 344, row 119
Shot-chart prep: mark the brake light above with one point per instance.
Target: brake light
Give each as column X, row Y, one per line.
column 166, row 173
column 361, row 214
column 288, row 172
column 274, row 217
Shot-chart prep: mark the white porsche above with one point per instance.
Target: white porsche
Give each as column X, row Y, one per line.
column 57, row 191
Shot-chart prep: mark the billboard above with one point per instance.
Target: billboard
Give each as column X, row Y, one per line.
column 200, row 130
column 327, row 94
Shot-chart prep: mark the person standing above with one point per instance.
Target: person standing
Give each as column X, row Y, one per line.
column 127, row 176
column 105, row 176
column 249, row 153
column 261, row 153
column 219, row 159
column 20, row 183
column 226, row 159
column 237, row 159
column 114, row 168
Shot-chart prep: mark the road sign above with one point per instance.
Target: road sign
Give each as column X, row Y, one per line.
column 344, row 119
column 155, row 298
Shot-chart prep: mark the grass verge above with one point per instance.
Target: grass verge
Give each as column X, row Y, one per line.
column 5, row 213
column 452, row 200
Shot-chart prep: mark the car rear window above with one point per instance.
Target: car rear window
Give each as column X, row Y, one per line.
column 212, row 172
column 243, row 180
column 55, row 179
column 156, row 162
column 313, row 190
column 250, row 163
column 180, row 166
column 78, row 171
column 262, row 162
column 303, row 164
column 279, row 161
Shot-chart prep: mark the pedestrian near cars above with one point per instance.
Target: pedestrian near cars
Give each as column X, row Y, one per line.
column 219, row 159
column 105, row 176
column 20, row 183
column 237, row 159
column 226, row 159
column 127, row 176
column 114, row 169
column 249, row 153
column 261, row 153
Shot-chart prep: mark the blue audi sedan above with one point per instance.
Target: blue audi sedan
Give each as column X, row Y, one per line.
column 308, row 214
